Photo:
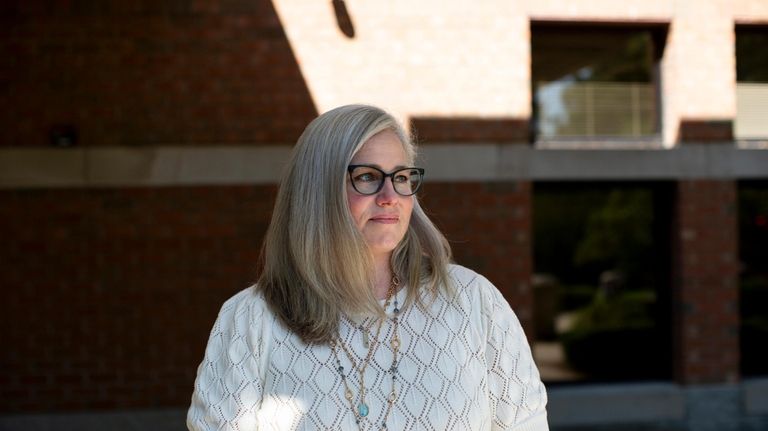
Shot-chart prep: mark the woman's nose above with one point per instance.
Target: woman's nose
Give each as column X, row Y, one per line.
column 387, row 195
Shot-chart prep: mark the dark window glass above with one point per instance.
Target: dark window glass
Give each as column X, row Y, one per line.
column 752, row 54
column 601, row 281
column 752, row 85
column 753, row 282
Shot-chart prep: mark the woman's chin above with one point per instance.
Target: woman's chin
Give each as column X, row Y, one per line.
column 382, row 248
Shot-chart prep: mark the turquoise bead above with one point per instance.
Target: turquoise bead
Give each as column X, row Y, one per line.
column 362, row 408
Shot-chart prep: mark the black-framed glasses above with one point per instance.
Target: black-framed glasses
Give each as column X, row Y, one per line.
column 368, row 180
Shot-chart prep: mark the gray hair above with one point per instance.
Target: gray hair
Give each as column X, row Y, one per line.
column 316, row 264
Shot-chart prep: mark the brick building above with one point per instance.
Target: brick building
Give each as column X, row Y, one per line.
column 141, row 143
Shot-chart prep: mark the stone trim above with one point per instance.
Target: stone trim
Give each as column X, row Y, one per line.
column 472, row 162
column 606, row 406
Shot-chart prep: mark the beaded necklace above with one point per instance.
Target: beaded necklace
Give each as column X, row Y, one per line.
column 361, row 411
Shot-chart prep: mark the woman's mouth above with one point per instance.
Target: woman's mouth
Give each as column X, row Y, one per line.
column 385, row 219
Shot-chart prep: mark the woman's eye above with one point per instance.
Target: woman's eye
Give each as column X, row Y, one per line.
column 365, row 178
column 401, row 179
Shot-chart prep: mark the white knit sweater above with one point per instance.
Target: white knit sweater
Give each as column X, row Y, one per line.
column 464, row 364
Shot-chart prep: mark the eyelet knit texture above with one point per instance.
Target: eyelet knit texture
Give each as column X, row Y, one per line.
column 464, row 364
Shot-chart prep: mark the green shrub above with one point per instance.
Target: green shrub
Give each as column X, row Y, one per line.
column 615, row 338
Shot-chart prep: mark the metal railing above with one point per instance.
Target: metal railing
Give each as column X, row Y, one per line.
column 751, row 111
column 616, row 110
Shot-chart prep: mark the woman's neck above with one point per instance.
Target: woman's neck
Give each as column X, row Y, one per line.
column 382, row 276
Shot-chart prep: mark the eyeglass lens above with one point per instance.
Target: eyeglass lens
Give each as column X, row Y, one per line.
column 369, row 180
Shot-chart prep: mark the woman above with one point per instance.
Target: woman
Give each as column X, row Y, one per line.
column 359, row 321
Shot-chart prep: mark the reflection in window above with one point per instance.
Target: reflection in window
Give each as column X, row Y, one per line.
column 602, row 281
column 595, row 83
column 753, row 280
column 752, row 83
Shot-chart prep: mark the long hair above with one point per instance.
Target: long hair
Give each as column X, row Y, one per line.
column 316, row 265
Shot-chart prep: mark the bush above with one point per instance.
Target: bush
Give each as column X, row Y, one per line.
column 617, row 338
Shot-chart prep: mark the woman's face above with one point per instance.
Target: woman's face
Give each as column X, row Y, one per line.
column 382, row 217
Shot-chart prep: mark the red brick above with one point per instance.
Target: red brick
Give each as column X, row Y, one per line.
column 705, row 272
column 112, row 295
column 120, row 86
column 488, row 234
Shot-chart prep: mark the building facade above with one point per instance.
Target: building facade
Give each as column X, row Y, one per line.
column 142, row 143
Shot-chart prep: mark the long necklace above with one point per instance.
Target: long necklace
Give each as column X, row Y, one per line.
column 364, row 328
column 361, row 410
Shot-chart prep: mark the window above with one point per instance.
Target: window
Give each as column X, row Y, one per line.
column 752, row 83
column 595, row 83
column 601, row 283
column 753, row 280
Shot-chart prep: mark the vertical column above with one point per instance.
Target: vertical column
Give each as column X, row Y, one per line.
column 705, row 282
column 698, row 85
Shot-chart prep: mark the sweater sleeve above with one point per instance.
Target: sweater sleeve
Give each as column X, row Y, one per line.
column 518, row 397
column 228, row 387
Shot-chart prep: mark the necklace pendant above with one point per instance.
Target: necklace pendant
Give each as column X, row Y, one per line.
column 362, row 409
column 366, row 340
column 395, row 343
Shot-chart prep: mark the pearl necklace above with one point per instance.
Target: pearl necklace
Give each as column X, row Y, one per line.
column 362, row 410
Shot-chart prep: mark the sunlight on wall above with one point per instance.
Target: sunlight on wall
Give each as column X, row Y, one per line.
column 426, row 58
column 440, row 59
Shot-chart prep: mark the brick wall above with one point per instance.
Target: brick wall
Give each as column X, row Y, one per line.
column 430, row 59
column 705, row 131
column 145, row 73
column 109, row 295
column 705, row 276
column 466, row 130
column 488, row 226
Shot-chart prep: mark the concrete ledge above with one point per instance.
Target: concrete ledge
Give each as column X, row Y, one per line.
column 756, row 396
column 130, row 420
column 619, row 403
column 714, row 407
column 658, row 406
column 467, row 162
column 155, row 166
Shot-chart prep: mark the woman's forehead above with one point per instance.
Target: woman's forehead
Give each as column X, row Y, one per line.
column 382, row 148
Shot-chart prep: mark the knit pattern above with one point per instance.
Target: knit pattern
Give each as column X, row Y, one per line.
column 465, row 364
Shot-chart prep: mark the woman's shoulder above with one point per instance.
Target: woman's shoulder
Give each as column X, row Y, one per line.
column 475, row 288
column 248, row 297
column 461, row 273
column 245, row 307
column 466, row 279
